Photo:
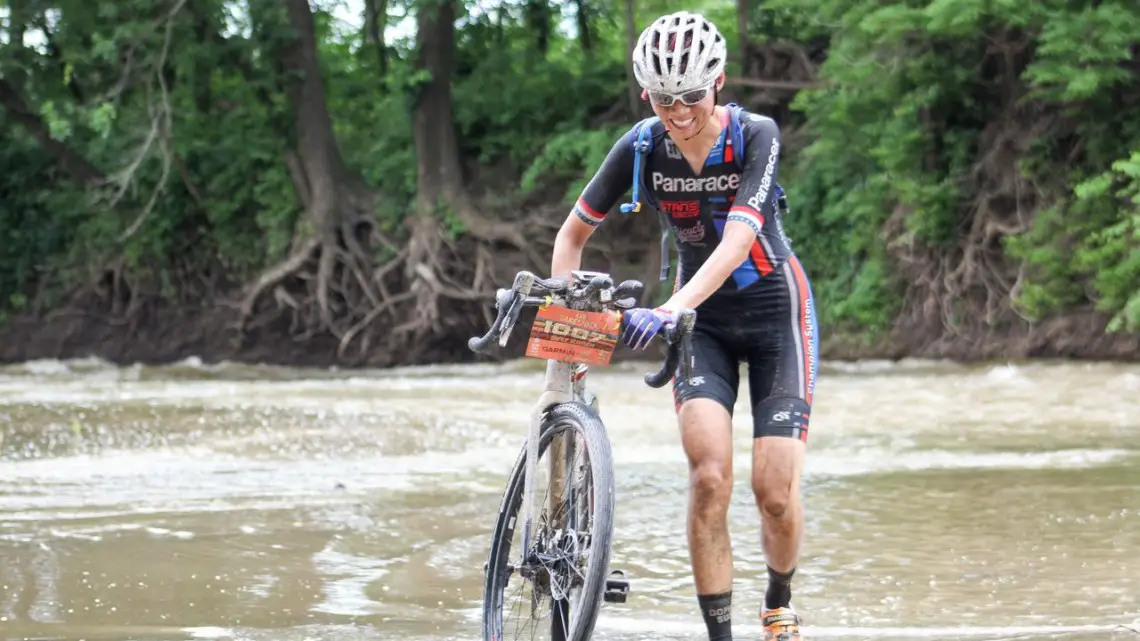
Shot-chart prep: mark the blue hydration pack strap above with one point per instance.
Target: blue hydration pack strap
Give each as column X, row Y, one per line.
column 642, row 147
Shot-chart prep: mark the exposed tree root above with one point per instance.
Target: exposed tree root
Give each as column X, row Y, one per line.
column 777, row 70
column 965, row 291
column 274, row 275
column 444, row 276
column 391, row 309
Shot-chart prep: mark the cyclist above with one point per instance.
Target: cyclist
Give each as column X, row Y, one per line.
column 753, row 298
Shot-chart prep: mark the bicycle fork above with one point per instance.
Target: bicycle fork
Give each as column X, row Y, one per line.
column 558, row 389
column 564, row 383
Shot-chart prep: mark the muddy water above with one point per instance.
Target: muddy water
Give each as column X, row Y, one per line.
column 233, row 502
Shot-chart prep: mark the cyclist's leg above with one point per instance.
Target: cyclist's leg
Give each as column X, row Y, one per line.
column 782, row 373
column 704, row 408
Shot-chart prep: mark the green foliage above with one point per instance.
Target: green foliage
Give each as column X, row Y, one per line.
column 510, row 102
column 913, row 93
column 1080, row 52
column 1086, row 245
column 1091, row 241
column 571, row 157
column 36, row 219
column 912, row 88
column 882, row 140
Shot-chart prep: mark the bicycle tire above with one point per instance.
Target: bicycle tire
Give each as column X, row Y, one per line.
column 588, row 425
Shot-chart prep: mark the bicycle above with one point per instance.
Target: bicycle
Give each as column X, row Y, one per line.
column 576, row 326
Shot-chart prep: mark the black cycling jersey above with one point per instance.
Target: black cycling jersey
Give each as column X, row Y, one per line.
column 698, row 206
column 765, row 313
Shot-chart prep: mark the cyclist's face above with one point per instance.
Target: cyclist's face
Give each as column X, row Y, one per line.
column 687, row 119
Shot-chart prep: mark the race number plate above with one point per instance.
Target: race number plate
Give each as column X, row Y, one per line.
column 572, row 336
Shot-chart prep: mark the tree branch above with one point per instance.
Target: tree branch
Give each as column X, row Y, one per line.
column 773, row 84
column 80, row 170
column 162, row 125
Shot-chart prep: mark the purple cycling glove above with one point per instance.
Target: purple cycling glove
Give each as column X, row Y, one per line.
column 640, row 325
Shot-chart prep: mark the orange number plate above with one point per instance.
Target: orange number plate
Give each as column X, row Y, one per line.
column 572, row 336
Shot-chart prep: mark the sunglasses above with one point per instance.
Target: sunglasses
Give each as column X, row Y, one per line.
column 690, row 98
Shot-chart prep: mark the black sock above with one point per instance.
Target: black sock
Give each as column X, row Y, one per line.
column 779, row 594
column 717, row 611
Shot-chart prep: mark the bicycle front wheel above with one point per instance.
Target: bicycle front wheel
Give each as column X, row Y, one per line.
column 554, row 588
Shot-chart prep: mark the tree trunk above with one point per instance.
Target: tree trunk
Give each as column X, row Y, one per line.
column 18, row 19
column 375, row 22
column 437, row 150
column 74, row 164
column 204, row 35
column 631, row 34
column 584, row 26
column 439, row 179
column 742, row 31
column 320, row 157
column 440, row 175
column 538, row 19
column 334, row 198
column 440, row 182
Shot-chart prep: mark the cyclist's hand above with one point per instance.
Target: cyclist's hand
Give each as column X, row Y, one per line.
column 640, row 325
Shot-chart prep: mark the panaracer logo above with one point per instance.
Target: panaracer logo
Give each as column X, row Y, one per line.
column 758, row 200
column 712, row 183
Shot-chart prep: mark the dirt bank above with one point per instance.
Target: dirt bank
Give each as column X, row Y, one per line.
column 163, row 335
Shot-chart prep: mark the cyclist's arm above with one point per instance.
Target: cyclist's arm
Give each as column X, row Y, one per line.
column 746, row 218
column 611, row 181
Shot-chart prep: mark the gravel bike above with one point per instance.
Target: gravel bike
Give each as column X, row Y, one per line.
column 561, row 560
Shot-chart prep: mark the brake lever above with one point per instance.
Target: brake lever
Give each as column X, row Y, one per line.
column 479, row 344
column 506, row 300
column 524, row 282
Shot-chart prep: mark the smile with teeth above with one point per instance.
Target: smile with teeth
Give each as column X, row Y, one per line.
column 682, row 124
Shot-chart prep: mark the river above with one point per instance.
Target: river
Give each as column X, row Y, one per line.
column 242, row 502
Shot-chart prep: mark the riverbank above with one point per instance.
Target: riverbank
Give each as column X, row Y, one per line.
column 161, row 335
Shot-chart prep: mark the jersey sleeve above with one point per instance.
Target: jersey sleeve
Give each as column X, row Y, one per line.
column 613, row 179
column 754, row 203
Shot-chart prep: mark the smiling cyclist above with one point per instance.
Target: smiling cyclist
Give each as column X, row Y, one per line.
column 709, row 171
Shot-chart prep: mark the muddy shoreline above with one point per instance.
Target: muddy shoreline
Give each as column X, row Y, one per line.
column 161, row 335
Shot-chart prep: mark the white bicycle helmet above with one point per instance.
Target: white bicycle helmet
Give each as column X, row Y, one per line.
column 679, row 52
